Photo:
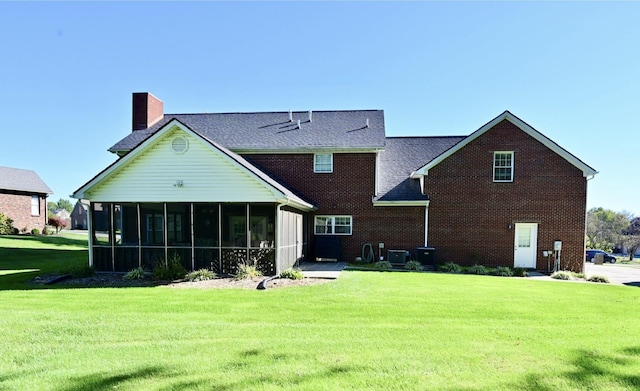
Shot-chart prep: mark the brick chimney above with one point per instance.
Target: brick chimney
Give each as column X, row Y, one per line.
column 147, row 110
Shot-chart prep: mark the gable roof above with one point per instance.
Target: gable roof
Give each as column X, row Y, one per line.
column 17, row 179
column 400, row 158
column 273, row 131
column 587, row 171
column 288, row 195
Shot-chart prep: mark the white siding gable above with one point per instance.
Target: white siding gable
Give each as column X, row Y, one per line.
column 202, row 173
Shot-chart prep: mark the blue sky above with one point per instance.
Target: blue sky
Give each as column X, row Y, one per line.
column 569, row 69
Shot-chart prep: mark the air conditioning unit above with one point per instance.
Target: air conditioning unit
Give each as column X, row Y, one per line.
column 397, row 256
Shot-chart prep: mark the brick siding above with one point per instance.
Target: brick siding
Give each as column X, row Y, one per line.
column 17, row 206
column 348, row 190
column 470, row 215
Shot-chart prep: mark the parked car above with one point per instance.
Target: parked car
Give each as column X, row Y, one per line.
column 607, row 257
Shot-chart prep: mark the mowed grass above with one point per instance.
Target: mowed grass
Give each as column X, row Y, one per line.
column 366, row 330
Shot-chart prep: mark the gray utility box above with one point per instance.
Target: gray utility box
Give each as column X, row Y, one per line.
column 426, row 255
column 598, row 258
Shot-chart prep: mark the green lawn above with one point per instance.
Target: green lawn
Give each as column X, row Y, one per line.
column 366, row 330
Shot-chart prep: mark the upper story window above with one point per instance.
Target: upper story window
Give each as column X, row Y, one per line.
column 503, row 166
column 323, row 162
column 333, row 225
column 35, row 205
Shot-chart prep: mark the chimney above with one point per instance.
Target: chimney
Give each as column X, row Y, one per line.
column 147, row 110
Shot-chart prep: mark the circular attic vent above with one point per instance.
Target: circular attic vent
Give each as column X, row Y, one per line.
column 179, row 145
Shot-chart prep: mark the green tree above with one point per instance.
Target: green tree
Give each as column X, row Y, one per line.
column 631, row 237
column 51, row 206
column 63, row 203
column 604, row 228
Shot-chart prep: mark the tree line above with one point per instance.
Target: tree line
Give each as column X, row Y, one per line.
column 613, row 231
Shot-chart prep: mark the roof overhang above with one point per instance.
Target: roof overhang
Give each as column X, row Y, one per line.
column 587, row 171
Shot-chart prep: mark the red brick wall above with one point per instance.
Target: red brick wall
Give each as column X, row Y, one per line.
column 469, row 214
column 348, row 191
column 18, row 208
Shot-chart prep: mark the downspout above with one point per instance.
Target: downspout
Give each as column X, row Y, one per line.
column 584, row 237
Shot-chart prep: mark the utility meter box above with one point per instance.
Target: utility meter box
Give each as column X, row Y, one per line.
column 598, row 258
column 557, row 245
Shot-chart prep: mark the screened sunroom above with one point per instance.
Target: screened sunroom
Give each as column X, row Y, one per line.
column 216, row 236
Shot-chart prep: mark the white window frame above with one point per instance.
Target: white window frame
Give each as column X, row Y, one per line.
column 329, row 223
column 35, row 205
column 322, row 167
column 501, row 166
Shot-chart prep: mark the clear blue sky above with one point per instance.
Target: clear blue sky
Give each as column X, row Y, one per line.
column 569, row 69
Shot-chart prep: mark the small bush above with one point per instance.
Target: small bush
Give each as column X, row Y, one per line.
column 246, row 272
column 292, row 274
column 383, row 265
column 201, row 275
column 6, row 225
column 58, row 223
column 35, row 231
column 577, row 275
column 78, row 271
column 601, row 279
column 135, row 274
column 503, row 271
column 451, row 267
column 172, row 269
column 478, row 269
column 413, row 265
column 520, row 272
column 562, row 275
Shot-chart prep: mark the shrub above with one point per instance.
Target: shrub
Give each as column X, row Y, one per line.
column 451, row 267
column 201, row 275
column 135, row 274
column 520, row 272
column 478, row 269
column 292, row 274
column 413, row 265
column 172, row 269
column 383, row 265
column 561, row 275
column 6, row 225
column 503, row 271
column 78, row 271
column 246, row 271
column 596, row 278
column 58, row 223
column 35, row 231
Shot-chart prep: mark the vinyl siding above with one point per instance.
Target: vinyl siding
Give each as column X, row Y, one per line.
column 206, row 174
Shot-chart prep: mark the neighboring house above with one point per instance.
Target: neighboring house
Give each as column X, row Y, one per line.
column 79, row 215
column 23, row 197
column 64, row 215
column 279, row 186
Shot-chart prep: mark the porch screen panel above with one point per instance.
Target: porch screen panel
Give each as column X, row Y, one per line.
column 101, row 219
column 152, row 224
column 126, row 222
column 179, row 225
column 234, row 225
column 205, row 225
column 262, row 218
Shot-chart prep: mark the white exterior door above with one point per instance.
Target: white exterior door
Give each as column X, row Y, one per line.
column 526, row 245
column 299, row 237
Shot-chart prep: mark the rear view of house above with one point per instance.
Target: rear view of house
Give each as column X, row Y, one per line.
column 23, row 197
column 276, row 187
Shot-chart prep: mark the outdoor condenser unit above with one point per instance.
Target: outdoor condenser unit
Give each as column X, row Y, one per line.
column 397, row 256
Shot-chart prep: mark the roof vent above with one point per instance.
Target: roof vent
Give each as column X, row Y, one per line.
column 290, row 116
column 310, row 115
column 367, row 124
column 299, row 125
column 179, row 145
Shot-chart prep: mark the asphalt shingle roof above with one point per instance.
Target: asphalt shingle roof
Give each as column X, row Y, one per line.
column 273, row 130
column 17, row 179
column 401, row 157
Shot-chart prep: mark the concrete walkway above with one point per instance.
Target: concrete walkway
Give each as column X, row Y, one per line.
column 329, row 270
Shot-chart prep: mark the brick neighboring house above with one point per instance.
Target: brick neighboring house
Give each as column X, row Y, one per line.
column 23, row 198
column 280, row 186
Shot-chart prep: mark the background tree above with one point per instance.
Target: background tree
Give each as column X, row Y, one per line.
column 604, row 228
column 631, row 237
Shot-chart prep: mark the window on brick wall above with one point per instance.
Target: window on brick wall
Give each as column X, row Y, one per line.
column 503, row 166
column 35, row 205
column 333, row 225
column 323, row 162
